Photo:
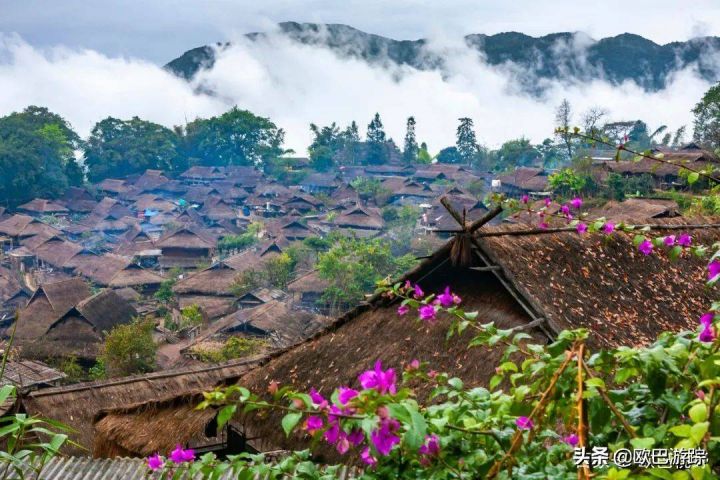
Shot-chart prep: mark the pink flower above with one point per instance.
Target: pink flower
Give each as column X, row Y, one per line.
column 427, row 313
column 582, row 228
column 356, row 437
column 608, row 228
column 571, row 440
column 343, row 445
column 313, row 424
column 382, row 381
column 576, row 202
column 543, row 226
column 713, row 269
column 669, row 241
column 367, row 458
column 180, row 456
column 384, row 438
column 548, row 202
column 332, row 434
column 346, row 394
column 417, row 292
column 524, row 423
column 413, row 365
column 700, row 394
column 431, row 447
column 707, row 335
column 525, row 199
column 448, row 299
column 155, row 462
column 645, row 247
column 318, row 399
column 565, row 210
column 402, row 310
column 707, row 318
column 684, row 240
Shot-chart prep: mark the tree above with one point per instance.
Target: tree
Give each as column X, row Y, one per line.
column 449, row 155
column 466, row 144
column 117, row 148
column 129, row 349
column 278, row 270
column 563, row 117
column 410, row 148
column 516, row 153
column 237, row 137
column 327, row 142
column 376, row 149
column 37, row 156
column 423, row 155
column 707, row 119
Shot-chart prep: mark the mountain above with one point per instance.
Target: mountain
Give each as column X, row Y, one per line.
column 558, row 56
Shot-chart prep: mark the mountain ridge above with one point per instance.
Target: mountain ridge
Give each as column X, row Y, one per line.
column 565, row 56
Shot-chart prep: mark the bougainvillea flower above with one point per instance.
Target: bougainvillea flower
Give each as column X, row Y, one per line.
column 431, row 446
column 524, row 423
column 346, row 394
column 356, row 437
column 343, row 444
column 713, row 269
column 669, row 241
column 576, row 202
column 367, row 458
column 645, row 247
column 313, row 424
column 402, row 310
column 427, row 313
column 155, row 462
column 707, row 318
column 382, row 381
column 384, row 438
column 608, row 228
column 316, row 398
column 582, row 228
column 548, row 202
column 565, row 210
column 571, row 440
column 448, row 299
column 525, row 199
column 707, row 335
column 543, row 226
column 179, row 455
column 684, row 240
column 413, row 365
column 700, row 394
column 417, row 292
column 332, row 434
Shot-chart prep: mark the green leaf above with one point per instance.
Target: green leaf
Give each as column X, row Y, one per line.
column 675, row 252
column 289, row 422
column 595, row 382
column 225, row 414
column 698, row 431
column 642, row 443
column 698, row 413
column 660, row 473
column 638, row 239
column 456, row 383
column 693, row 177
column 682, row 431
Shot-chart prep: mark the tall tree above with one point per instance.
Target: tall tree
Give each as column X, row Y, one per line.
column 37, row 156
column 117, row 148
column 563, row 117
column 410, row 148
column 707, row 119
column 376, row 149
column 237, row 137
column 466, row 144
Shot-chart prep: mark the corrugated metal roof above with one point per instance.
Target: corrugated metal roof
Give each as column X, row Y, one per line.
column 86, row 468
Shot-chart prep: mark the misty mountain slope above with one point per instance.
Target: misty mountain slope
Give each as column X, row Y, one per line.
column 564, row 56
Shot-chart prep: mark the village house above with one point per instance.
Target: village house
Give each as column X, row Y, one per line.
column 40, row 207
column 186, row 247
column 523, row 180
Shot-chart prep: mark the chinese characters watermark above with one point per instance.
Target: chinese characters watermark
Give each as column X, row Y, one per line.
column 676, row 458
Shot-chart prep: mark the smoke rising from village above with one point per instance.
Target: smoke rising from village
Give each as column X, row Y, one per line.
column 295, row 84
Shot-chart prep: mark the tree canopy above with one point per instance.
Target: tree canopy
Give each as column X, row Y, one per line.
column 707, row 118
column 37, row 156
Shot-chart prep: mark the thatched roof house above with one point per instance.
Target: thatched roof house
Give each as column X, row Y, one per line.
column 210, row 289
column 637, row 209
column 27, row 375
column 41, row 206
column 80, row 406
column 185, row 247
column 359, row 218
column 524, row 180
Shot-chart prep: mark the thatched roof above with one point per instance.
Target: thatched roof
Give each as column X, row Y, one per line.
column 42, row 206
column 561, row 280
column 150, row 180
column 113, row 185
column 56, row 251
column 78, row 405
column 14, row 225
column 48, row 304
column 359, row 217
column 526, row 178
column 106, row 309
column 212, row 306
column 214, row 280
column 310, row 282
column 637, row 209
column 27, row 375
column 187, row 237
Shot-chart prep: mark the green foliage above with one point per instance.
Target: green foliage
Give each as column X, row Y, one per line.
column 619, row 186
column 423, row 155
column 97, row 371
column 191, row 316
column 353, row 266
column 165, row 292
column 376, row 142
column 242, row 241
column 237, row 137
column 36, row 156
column 278, row 270
column 449, row 155
column 232, row 348
column 318, row 244
column 466, row 143
column 567, row 182
column 410, row 147
column 247, row 281
column 129, row 349
column 707, row 119
column 70, row 367
column 117, row 148
column 515, row 153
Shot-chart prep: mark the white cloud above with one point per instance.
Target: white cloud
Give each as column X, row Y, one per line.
column 295, row 85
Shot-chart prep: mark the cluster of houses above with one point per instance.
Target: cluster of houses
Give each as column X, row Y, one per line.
column 74, row 267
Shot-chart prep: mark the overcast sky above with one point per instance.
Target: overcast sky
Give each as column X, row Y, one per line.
column 160, row 30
